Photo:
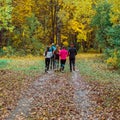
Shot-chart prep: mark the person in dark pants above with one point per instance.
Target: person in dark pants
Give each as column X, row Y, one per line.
column 72, row 53
column 48, row 55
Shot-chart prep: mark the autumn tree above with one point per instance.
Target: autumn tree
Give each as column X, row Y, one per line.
column 107, row 31
column 37, row 23
column 5, row 20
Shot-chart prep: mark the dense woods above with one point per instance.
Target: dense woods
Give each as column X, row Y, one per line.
column 27, row 26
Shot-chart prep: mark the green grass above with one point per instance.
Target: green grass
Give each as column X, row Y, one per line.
column 95, row 68
column 90, row 65
column 3, row 63
column 30, row 66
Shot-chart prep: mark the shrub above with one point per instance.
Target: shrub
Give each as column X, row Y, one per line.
column 7, row 51
column 114, row 59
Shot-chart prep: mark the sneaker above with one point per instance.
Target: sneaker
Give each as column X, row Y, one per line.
column 51, row 67
column 60, row 69
column 46, row 71
column 73, row 68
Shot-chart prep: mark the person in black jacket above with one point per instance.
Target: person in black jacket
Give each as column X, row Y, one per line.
column 72, row 53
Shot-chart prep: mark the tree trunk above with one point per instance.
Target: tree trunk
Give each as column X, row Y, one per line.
column 58, row 25
column 52, row 20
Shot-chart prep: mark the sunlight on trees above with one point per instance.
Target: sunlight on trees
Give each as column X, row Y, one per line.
column 90, row 24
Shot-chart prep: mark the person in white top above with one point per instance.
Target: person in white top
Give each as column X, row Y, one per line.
column 48, row 55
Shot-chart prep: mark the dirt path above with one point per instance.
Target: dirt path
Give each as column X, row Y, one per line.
column 54, row 96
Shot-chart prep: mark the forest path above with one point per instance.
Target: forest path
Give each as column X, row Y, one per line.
column 55, row 96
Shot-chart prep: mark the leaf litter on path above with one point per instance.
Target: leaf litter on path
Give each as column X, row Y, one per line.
column 65, row 96
column 54, row 96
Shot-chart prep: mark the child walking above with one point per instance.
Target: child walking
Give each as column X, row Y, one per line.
column 48, row 55
column 63, row 55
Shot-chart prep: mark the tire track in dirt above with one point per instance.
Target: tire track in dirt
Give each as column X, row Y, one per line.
column 24, row 104
column 54, row 96
column 81, row 98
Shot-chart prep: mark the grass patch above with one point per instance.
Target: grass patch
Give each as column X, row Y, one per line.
column 93, row 66
column 3, row 63
column 29, row 66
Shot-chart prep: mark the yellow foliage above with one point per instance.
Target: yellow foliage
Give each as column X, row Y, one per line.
column 115, row 15
column 74, row 25
column 112, row 61
column 65, row 44
column 21, row 10
column 63, row 37
column 4, row 48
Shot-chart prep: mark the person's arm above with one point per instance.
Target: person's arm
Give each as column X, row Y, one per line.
column 59, row 52
column 51, row 54
column 69, row 52
column 45, row 53
column 75, row 51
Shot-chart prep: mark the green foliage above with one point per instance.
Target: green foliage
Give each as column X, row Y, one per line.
column 113, row 50
column 107, row 34
column 113, row 34
column 32, row 33
column 101, row 21
column 41, row 22
column 7, row 51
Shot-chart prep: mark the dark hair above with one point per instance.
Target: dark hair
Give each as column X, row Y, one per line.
column 48, row 49
column 63, row 47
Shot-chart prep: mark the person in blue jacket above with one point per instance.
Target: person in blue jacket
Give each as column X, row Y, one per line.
column 52, row 61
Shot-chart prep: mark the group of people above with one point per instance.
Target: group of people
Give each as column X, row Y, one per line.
column 55, row 55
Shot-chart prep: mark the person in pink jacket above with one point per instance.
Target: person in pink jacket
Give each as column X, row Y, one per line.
column 63, row 55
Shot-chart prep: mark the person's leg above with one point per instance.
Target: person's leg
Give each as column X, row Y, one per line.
column 64, row 61
column 48, row 63
column 60, row 65
column 57, row 64
column 51, row 63
column 45, row 64
column 70, row 62
column 54, row 63
column 73, row 64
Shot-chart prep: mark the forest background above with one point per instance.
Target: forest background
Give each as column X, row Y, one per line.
column 27, row 26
